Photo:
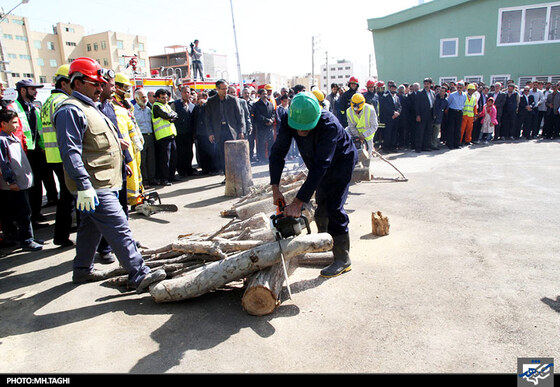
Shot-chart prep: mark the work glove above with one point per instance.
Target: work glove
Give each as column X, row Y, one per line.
column 87, row 201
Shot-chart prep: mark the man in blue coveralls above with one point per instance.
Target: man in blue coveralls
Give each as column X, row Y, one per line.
column 330, row 156
column 92, row 157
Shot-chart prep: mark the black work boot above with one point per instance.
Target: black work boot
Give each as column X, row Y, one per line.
column 322, row 223
column 341, row 263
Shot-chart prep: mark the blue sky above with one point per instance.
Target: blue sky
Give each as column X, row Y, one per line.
column 272, row 36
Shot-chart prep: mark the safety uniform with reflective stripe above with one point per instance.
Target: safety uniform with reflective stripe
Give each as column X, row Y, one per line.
column 27, row 128
column 365, row 121
column 128, row 130
column 468, row 108
column 48, row 132
column 162, row 127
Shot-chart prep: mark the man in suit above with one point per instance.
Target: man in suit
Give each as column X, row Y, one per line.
column 223, row 120
column 424, row 107
column 264, row 115
column 509, row 114
column 525, row 113
column 499, row 101
column 389, row 112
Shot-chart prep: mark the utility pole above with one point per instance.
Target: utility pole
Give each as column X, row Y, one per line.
column 314, row 45
column 326, row 71
column 236, row 48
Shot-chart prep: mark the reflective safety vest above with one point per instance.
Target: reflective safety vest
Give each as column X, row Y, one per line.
column 163, row 128
column 361, row 121
column 48, row 132
column 27, row 128
column 468, row 108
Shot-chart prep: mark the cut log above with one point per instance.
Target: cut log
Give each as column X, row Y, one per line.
column 262, row 295
column 217, row 274
column 265, row 206
column 316, row 259
column 379, row 224
column 239, row 177
column 361, row 174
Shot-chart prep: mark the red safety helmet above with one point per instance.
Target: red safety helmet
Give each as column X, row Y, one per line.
column 370, row 83
column 89, row 68
column 380, row 84
column 353, row 80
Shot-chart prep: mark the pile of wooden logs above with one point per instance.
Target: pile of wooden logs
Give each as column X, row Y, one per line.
column 243, row 249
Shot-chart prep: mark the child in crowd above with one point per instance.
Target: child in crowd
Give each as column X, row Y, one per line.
column 489, row 120
column 15, row 182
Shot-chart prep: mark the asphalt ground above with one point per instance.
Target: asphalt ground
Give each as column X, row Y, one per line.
column 467, row 282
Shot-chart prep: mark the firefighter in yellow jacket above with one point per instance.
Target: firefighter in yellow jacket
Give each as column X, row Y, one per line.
column 362, row 121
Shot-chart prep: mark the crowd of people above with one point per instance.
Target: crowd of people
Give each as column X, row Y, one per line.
column 455, row 114
column 168, row 136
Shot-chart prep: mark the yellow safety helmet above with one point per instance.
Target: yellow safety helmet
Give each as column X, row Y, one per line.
column 319, row 95
column 471, row 86
column 121, row 78
column 268, row 87
column 62, row 72
column 357, row 102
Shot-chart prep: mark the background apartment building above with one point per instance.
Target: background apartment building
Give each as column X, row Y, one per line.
column 37, row 55
column 338, row 73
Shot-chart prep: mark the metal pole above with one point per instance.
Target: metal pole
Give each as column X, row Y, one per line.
column 236, row 48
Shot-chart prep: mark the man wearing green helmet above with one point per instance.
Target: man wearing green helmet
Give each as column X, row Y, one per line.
column 330, row 156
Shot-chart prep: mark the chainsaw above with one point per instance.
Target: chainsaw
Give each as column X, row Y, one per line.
column 150, row 203
column 284, row 227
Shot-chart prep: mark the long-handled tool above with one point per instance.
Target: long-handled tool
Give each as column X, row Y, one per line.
column 284, row 227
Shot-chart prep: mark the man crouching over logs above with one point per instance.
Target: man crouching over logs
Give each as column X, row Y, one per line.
column 330, row 156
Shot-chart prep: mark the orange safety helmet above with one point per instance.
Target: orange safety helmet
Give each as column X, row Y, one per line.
column 87, row 67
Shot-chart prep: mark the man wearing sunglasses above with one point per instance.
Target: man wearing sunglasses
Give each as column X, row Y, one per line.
column 92, row 157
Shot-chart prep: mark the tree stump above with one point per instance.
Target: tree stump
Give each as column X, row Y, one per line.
column 239, row 177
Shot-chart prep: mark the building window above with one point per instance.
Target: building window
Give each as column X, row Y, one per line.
column 69, row 29
column 546, row 78
column 448, row 47
column 15, row 75
column 40, row 62
column 473, row 78
column 12, row 56
column 53, row 63
column 37, row 43
column 24, row 57
column 443, row 80
column 529, row 24
column 103, row 45
column 28, row 75
column 95, row 46
column 42, row 79
column 502, row 78
column 18, row 21
column 142, row 62
column 122, row 62
column 140, row 46
column 8, row 36
column 120, row 44
column 474, row 45
column 50, row 46
column 71, row 44
column 88, row 47
column 22, row 38
column 105, row 62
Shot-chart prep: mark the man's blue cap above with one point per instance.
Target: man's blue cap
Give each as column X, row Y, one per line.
column 28, row 83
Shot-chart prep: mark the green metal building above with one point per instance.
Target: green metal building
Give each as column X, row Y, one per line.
column 472, row 40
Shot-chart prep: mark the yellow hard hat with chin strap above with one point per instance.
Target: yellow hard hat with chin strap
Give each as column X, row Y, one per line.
column 357, row 102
